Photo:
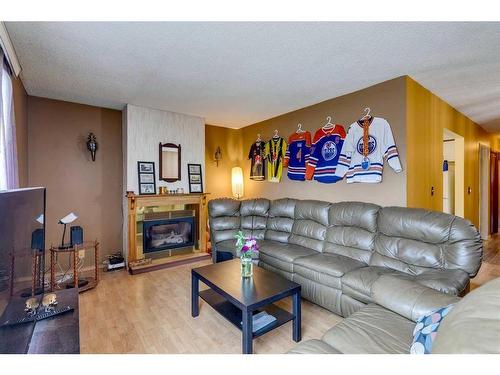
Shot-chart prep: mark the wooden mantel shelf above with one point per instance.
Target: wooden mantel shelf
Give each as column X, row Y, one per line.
column 197, row 200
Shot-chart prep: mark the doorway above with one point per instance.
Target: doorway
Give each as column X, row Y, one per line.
column 453, row 173
column 484, row 191
column 494, row 160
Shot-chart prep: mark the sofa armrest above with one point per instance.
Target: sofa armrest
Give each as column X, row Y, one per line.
column 407, row 298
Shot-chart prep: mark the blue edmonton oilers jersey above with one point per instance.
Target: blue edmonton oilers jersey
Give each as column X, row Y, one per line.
column 324, row 156
column 297, row 155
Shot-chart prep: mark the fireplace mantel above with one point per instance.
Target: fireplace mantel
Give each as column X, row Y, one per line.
column 197, row 201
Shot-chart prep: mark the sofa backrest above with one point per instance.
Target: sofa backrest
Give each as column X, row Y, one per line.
column 414, row 240
column 224, row 219
column 352, row 230
column 280, row 219
column 404, row 239
column 253, row 214
column 310, row 223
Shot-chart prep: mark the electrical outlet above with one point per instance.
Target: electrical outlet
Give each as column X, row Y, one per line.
column 81, row 253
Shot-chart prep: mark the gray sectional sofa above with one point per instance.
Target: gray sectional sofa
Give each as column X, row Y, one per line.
column 386, row 326
column 337, row 251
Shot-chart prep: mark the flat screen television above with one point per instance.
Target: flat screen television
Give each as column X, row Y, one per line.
column 22, row 244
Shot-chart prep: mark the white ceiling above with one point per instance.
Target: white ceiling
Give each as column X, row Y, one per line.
column 235, row 74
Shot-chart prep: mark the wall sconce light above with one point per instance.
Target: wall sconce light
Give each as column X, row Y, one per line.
column 218, row 156
column 237, row 182
column 92, row 145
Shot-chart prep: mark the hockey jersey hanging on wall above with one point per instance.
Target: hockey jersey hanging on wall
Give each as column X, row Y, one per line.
column 297, row 154
column 369, row 141
column 275, row 154
column 324, row 154
column 256, row 156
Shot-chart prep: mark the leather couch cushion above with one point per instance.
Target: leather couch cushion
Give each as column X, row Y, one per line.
column 372, row 330
column 330, row 264
column 280, row 220
column 352, row 242
column 358, row 283
column 223, row 228
column 352, row 230
column 408, row 298
column 473, row 325
column 284, row 207
column 223, row 207
column 285, row 252
column 406, row 255
column 310, row 222
column 313, row 347
column 354, row 214
column 464, row 249
column 325, row 296
column 281, row 255
column 318, row 277
column 254, row 207
column 446, row 281
column 312, row 210
column 411, row 240
column 254, row 214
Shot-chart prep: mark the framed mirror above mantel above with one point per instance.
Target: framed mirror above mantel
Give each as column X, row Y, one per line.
column 170, row 162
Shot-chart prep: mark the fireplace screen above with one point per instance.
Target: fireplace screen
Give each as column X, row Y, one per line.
column 166, row 234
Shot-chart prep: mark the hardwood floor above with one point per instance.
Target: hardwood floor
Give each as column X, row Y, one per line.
column 151, row 313
column 490, row 269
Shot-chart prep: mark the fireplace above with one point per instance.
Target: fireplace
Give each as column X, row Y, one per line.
column 172, row 230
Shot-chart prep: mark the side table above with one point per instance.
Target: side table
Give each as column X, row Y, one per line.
column 74, row 251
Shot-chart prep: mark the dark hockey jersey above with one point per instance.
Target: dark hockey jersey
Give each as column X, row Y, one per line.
column 324, row 155
column 297, row 154
column 256, row 156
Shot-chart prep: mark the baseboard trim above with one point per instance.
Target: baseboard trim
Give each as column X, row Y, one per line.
column 159, row 266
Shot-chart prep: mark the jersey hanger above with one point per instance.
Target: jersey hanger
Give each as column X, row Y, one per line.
column 299, row 128
column 258, row 138
column 367, row 114
column 276, row 135
column 328, row 124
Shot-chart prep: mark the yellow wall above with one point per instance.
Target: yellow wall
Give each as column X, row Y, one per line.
column 218, row 178
column 426, row 116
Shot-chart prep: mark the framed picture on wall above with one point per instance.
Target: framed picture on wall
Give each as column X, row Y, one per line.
column 146, row 177
column 195, row 178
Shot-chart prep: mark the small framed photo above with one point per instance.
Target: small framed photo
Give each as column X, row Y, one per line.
column 194, row 169
column 195, row 188
column 147, row 189
column 146, row 177
column 146, row 167
column 195, row 178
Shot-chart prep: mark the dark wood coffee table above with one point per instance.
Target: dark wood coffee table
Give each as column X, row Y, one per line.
column 237, row 298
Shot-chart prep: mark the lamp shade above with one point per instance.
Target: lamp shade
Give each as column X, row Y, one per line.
column 237, row 182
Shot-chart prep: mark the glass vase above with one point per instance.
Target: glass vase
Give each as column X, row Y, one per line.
column 246, row 266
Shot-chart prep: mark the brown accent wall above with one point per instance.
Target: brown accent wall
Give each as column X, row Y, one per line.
column 58, row 160
column 21, row 119
column 218, row 178
column 386, row 100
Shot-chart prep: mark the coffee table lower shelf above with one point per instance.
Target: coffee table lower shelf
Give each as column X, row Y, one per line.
column 234, row 315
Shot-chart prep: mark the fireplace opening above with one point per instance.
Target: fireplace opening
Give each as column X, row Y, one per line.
column 173, row 232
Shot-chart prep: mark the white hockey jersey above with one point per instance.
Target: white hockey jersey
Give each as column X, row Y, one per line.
column 380, row 146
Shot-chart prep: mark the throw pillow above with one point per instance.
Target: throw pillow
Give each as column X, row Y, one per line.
column 425, row 330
